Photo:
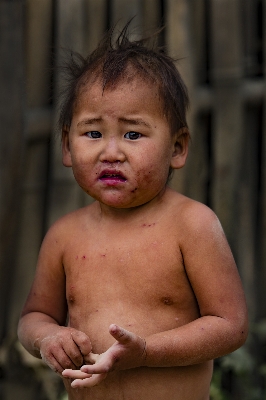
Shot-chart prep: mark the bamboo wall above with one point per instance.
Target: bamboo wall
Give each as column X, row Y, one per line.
column 222, row 48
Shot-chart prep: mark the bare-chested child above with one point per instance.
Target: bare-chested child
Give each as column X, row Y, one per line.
column 137, row 293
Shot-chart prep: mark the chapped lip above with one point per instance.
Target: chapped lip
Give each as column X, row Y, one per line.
column 112, row 174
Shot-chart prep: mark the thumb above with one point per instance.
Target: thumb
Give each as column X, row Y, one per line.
column 120, row 334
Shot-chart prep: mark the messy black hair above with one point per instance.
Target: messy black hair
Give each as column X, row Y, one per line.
column 114, row 60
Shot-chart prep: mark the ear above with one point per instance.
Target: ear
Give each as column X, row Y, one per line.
column 180, row 151
column 66, row 155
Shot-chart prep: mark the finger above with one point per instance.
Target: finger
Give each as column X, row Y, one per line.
column 52, row 363
column 74, row 355
column 103, row 364
column 120, row 334
column 88, row 382
column 91, row 358
column 82, row 341
column 67, row 360
column 75, row 374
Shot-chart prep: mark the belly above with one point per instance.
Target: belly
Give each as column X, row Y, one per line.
column 150, row 304
column 142, row 319
column 180, row 383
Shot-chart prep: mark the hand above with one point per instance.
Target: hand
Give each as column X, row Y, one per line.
column 129, row 351
column 65, row 348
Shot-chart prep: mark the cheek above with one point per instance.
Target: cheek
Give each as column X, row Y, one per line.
column 82, row 173
column 153, row 172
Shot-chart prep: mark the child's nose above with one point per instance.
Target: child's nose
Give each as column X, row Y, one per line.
column 112, row 151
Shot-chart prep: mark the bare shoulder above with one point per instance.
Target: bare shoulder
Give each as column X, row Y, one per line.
column 200, row 217
column 60, row 234
column 202, row 230
column 194, row 217
column 198, row 229
column 70, row 223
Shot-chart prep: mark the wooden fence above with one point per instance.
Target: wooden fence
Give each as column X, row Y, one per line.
column 222, row 49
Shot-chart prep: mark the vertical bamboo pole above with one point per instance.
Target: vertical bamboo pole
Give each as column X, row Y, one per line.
column 11, row 143
column 246, row 221
column 151, row 15
column 262, row 233
column 197, row 171
column 231, row 196
column 70, row 19
column 179, row 46
column 11, row 116
column 226, row 64
column 38, row 46
column 38, row 52
column 96, row 23
column 122, row 11
column 248, row 243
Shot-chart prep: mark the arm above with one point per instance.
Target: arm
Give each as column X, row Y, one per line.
column 41, row 327
column 212, row 273
column 221, row 327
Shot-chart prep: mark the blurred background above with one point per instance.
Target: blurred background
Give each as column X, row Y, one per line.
column 221, row 48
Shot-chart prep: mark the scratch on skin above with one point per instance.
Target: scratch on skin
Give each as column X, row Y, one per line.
column 148, row 225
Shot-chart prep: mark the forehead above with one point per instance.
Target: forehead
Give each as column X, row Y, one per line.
column 130, row 93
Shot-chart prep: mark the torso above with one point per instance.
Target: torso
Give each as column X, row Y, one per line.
column 133, row 275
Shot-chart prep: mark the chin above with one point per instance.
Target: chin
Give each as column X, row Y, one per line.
column 114, row 200
column 119, row 203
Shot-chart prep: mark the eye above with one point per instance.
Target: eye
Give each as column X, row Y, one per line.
column 94, row 134
column 132, row 135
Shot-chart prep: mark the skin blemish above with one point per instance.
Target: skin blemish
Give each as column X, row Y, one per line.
column 148, row 225
column 77, row 257
column 71, row 299
column 167, row 301
column 103, row 255
column 134, row 190
column 83, row 257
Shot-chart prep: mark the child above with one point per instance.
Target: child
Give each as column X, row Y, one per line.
column 137, row 293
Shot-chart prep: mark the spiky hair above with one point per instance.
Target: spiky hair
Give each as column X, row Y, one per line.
column 115, row 59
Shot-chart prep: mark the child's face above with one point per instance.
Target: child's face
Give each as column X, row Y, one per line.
column 119, row 143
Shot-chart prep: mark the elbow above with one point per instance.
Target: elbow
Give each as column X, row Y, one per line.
column 244, row 334
column 239, row 332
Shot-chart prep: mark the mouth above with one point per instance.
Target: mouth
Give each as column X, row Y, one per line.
column 112, row 176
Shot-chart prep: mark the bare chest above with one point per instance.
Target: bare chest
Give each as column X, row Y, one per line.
column 128, row 279
column 126, row 265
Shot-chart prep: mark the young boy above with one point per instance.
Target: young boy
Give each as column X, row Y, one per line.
column 137, row 293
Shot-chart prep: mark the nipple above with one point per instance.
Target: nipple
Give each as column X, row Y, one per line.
column 167, row 301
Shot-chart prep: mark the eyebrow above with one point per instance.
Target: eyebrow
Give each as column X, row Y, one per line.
column 133, row 121
column 89, row 121
column 130, row 121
